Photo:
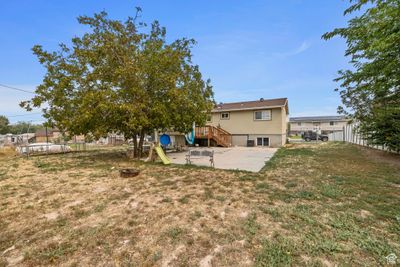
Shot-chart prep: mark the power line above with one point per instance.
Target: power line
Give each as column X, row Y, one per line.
column 35, row 121
column 21, row 115
column 17, row 89
column 29, row 121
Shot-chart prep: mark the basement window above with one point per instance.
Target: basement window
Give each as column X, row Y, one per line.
column 262, row 141
column 225, row 116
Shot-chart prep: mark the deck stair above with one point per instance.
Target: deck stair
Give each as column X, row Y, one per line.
column 217, row 134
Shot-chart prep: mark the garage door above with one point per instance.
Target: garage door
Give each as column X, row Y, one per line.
column 239, row 140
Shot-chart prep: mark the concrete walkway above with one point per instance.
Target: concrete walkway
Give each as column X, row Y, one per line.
column 240, row 158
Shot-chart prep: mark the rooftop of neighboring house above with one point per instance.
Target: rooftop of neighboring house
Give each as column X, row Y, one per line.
column 14, row 135
column 317, row 119
column 252, row 105
column 42, row 132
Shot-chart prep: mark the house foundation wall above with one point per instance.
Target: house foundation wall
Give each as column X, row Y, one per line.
column 275, row 140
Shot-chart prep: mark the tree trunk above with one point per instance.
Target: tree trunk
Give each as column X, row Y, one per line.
column 135, row 146
column 140, row 151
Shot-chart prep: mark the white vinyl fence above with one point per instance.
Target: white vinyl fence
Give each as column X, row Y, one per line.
column 349, row 134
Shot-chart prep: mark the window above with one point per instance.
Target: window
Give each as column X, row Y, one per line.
column 331, row 123
column 209, row 118
column 262, row 141
column 262, row 115
column 265, row 141
column 259, row 141
column 316, row 123
column 225, row 116
column 299, row 124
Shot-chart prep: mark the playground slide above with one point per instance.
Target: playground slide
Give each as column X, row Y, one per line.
column 190, row 136
column 162, row 155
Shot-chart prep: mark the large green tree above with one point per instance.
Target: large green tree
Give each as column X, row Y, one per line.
column 122, row 77
column 370, row 90
column 4, row 124
column 23, row 127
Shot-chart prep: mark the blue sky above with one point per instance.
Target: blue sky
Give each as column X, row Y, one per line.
column 249, row 49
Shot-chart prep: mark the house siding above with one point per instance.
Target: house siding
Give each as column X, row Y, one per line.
column 239, row 140
column 243, row 127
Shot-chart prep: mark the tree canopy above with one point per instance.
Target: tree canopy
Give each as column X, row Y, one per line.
column 24, row 127
column 4, row 124
column 370, row 90
column 17, row 128
column 122, row 77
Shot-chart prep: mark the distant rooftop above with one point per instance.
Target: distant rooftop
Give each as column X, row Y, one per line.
column 258, row 104
column 318, row 118
column 42, row 132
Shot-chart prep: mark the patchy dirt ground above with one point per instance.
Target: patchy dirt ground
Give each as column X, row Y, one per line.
column 316, row 205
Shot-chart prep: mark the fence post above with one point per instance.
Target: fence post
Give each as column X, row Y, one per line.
column 355, row 137
column 343, row 133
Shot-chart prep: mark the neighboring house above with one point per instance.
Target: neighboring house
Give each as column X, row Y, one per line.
column 325, row 124
column 16, row 139
column 252, row 123
column 54, row 135
column 46, row 135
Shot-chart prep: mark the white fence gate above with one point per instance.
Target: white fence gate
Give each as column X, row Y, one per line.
column 349, row 134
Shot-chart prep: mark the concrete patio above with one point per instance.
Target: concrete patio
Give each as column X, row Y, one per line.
column 240, row 158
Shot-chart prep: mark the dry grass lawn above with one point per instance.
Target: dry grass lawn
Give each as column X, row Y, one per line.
column 314, row 205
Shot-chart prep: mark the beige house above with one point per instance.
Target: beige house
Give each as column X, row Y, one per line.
column 253, row 123
column 325, row 124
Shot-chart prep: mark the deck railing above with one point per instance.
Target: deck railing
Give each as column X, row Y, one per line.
column 219, row 135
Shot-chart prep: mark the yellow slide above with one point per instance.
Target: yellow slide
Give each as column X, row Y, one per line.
column 163, row 157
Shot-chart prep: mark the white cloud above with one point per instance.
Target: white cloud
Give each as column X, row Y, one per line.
column 300, row 49
column 230, row 42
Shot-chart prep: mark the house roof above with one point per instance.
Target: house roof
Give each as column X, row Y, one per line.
column 318, row 118
column 42, row 133
column 251, row 105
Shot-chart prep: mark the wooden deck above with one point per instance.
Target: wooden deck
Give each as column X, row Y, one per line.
column 219, row 135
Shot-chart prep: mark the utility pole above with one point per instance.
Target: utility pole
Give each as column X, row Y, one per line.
column 47, row 137
column 47, row 142
column 27, row 132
